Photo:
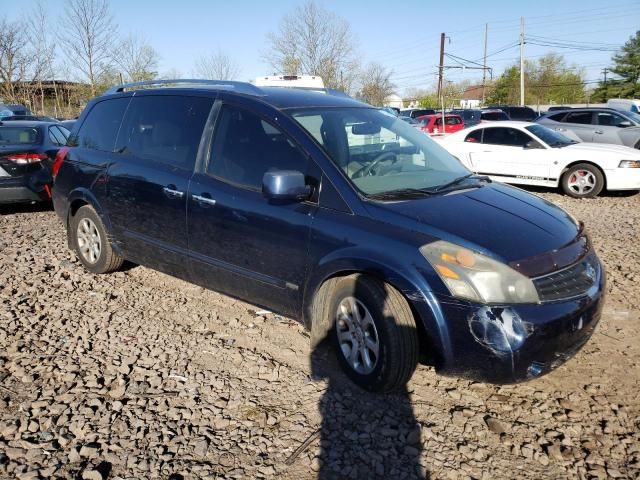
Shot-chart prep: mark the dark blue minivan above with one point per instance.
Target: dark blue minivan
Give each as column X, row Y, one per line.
column 325, row 209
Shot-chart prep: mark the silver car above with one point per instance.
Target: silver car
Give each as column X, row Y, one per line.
column 599, row 125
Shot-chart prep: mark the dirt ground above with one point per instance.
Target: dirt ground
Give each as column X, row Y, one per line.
column 138, row 375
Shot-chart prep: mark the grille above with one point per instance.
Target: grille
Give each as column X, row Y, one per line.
column 570, row 282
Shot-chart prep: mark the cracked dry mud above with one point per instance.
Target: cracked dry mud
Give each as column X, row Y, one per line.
column 139, row 375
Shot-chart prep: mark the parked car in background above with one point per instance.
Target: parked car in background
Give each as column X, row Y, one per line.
column 493, row 115
column 27, row 152
column 599, row 125
column 624, row 104
column 531, row 154
column 14, row 108
column 558, row 107
column 432, row 124
column 523, row 114
column 416, row 112
column 411, row 121
column 35, row 118
column 388, row 249
column 470, row 117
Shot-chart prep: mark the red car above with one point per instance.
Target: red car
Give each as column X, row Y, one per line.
column 432, row 124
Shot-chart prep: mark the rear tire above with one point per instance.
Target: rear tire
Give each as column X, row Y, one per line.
column 91, row 243
column 374, row 333
column 583, row 181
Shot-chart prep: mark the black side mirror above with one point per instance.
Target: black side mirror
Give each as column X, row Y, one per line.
column 625, row 124
column 532, row 144
column 285, row 185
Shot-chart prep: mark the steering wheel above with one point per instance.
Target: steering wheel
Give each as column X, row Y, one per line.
column 384, row 156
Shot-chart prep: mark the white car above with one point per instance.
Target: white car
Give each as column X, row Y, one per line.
column 531, row 154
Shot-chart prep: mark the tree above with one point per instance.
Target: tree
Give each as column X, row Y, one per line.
column 14, row 58
column 136, row 59
column 549, row 80
column 376, row 84
column 88, row 33
column 627, row 67
column 314, row 41
column 216, row 65
column 42, row 49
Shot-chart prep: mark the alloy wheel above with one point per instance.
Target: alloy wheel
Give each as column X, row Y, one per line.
column 357, row 335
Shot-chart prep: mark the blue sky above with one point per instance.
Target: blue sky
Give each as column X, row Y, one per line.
column 404, row 36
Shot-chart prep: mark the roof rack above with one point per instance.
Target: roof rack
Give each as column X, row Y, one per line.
column 240, row 87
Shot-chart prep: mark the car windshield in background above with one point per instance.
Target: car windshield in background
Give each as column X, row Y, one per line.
column 550, row 137
column 380, row 154
column 19, row 135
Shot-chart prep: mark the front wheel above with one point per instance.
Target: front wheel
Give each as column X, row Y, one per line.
column 374, row 333
column 583, row 181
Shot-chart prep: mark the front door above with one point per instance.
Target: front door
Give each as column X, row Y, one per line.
column 507, row 156
column 240, row 242
column 149, row 180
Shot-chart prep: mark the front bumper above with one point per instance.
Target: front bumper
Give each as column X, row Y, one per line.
column 623, row 179
column 516, row 343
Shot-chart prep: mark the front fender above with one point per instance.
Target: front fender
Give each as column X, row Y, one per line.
column 414, row 284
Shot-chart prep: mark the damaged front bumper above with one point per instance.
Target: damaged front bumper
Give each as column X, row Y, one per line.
column 514, row 343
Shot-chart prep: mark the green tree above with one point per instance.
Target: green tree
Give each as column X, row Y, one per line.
column 627, row 68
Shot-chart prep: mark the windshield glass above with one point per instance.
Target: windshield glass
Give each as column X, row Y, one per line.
column 550, row 137
column 379, row 152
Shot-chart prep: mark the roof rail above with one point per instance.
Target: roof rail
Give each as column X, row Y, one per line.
column 240, row 87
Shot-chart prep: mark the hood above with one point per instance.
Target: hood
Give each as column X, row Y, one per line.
column 498, row 220
column 617, row 151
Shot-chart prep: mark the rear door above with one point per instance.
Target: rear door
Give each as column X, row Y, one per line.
column 149, row 178
column 240, row 242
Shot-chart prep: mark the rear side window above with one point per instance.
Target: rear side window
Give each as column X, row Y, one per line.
column 19, row 135
column 579, row 117
column 246, row 146
column 475, row 136
column 56, row 136
column 165, row 128
column 100, row 128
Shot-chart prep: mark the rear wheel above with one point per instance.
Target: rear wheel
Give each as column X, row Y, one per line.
column 583, row 181
column 374, row 333
column 90, row 242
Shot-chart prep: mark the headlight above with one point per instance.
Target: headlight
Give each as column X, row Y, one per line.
column 629, row 164
column 472, row 276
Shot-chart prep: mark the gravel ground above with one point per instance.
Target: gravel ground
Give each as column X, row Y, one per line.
column 139, row 375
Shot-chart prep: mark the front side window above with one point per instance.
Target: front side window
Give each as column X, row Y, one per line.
column 246, row 146
column 509, row 137
column 100, row 128
column 583, row 118
column 610, row 119
column 475, row 136
column 380, row 153
column 165, row 128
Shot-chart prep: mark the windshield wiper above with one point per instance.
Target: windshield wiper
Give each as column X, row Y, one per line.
column 453, row 183
column 400, row 192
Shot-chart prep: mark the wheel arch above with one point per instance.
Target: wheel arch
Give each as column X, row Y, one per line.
column 432, row 329
column 588, row 162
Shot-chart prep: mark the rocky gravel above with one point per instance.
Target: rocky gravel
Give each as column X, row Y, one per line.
column 139, row 375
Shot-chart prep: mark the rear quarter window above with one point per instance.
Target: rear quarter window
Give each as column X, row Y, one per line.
column 100, row 129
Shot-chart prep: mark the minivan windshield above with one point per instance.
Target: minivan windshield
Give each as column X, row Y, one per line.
column 379, row 153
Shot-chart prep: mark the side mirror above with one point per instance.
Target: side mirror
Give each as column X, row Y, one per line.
column 624, row 124
column 285, row 185
column 532, row 144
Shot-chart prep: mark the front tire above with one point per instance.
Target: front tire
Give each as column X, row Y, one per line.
column 583, row 181
column 374, row 333
column 91, row 243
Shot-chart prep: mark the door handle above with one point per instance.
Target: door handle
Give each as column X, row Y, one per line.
column 171, row 192
column 598, row 131
column 206, row 200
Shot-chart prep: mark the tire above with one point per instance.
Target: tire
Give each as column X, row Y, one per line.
column 583, row 181
column 91, row 243
column 385, row 320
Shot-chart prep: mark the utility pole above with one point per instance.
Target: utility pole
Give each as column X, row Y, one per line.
column 484, row 63
column 441, row 67
column 522, row 61
column 604, row 72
